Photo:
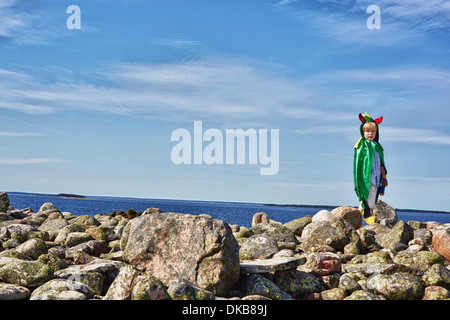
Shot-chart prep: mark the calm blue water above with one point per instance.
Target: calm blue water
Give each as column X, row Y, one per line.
column 230, row 212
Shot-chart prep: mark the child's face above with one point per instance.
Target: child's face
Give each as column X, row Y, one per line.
column 370, row 133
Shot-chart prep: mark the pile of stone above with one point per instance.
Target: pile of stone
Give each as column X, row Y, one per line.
column 161, row 256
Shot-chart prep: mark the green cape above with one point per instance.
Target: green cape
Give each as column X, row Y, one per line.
column 364, row 151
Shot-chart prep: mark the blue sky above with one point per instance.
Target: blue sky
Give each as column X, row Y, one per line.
column 91, row 111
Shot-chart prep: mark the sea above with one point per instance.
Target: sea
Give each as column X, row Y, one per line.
column 231, row 212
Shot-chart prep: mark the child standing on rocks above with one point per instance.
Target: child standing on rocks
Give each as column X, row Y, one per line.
column 369, row 171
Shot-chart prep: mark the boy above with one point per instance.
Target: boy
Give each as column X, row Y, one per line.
column 369, row 171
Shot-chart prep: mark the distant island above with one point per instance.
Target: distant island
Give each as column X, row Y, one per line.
column 70, row 195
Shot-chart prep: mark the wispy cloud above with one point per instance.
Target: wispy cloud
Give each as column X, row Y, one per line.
column 26, row 23
column 211, row 88
column 235, row 89
column 416, row 135
column 20, row 134
column 30, row 161
column 345, row 21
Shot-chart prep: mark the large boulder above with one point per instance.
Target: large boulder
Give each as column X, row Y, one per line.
column 335, row 233
column 400, row 233
column 398, row 286
column 132, row 284
column 440, row 243
column 350, row 214
column 297, row 225
column 255, row 284
column 4, row 202
column 181, row 289
column 13, row 292
column 259, row 246
column 437, row 275
column 33, row 248
column 385, row 214
column 199, row 249
column 53, row 227
column 29, row 274
column 61, row 289
column 277, row 231
column 297, row 282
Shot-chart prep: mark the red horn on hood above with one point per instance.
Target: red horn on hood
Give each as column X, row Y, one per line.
column 378, row 120
column 361, row 117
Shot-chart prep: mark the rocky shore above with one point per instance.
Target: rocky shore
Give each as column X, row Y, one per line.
column 155, row 255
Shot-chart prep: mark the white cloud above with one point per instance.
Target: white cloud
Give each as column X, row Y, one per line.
column 345, row 21
column 26, row 23
column 207, row 88
column 416, row 135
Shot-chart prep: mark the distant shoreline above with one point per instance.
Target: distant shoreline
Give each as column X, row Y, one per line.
column 59, row 195
column 325, row 207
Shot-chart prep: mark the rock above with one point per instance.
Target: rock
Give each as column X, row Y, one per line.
column 436, row 293
column 322, row 215
column 437, row 275
column 260, row 246
column 277, row 231
column 132, row 284
column 363, row 295
column 91, row 247
column 65, row 231
column 86, row 274
column 297, row 282
column 256, row 284
column 181, row 289
column 61, row 289
column 47, row 208
column 376, row 228
column 398, row 286
column 424, row 235
column 385, row 214
column 86, row 221
column 417, row 224
column 13, row 292
column 321, row 263
column 350, row 214
column 335, row 233
column 297, row 225
column 4, row 202
column 20, row 232
column 351, row 248
column 401, row 233
column 284, row 253
column 260, row 217
column 440, row 243
column 75, row 238
column 271, row 265
column 199, row 249
column 53, row 261
column 33, row 248
column 255, row 297
column 421, row 260
column 53, row 227
column 348, row 283
column 378, row 257
column 103, row 233
column 29, row 274
column 333, row 294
